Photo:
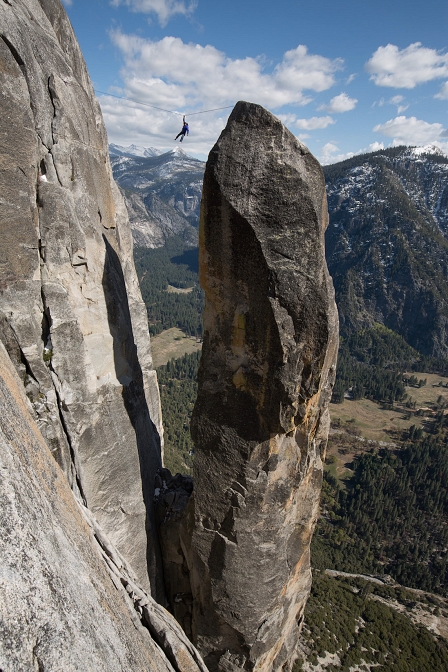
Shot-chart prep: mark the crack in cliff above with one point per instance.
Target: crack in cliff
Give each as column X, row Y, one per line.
column 46, row 339
column 73, row 452
column 15, row 54
column 56, row 105
column 144, row 610
column 36, row 659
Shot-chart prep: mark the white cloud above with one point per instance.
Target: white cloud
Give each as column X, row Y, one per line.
column 351, row 78
column 443, row 93
column 373, row 147
column 395, row 100
column 330, row 152
column 390, row 66
column 341, row 103
column 67, row 3
column 287, row 119
column 313, row 123
column 171, row 74
column 164, row 9
column 413, row 131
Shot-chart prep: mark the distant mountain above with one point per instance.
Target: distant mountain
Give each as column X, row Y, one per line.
column 387, row 244
column 162, row 194
column 133, row 150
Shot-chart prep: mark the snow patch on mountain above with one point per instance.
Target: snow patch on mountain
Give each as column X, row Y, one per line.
column 427, row 149
column 133, row 150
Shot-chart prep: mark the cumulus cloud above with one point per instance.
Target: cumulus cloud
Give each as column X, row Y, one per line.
column 443, row 93
column 188, row 77
column 341, row 103
column 413, row 131
column 405, row 68
column 330, row 152
column 373, row 147
column 313, row 123
column 410, row 131
column 164, row 9
column 170, row 73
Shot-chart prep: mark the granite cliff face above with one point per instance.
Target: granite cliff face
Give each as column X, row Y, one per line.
column 71, row 314
column 69, row 601
column 78, row 548
column 261, row 420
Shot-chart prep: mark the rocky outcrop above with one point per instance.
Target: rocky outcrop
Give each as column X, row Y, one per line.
column 71, row 314
column 69, row 601
column 261, row 418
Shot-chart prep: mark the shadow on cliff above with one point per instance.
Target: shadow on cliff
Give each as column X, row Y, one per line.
column 130, row 375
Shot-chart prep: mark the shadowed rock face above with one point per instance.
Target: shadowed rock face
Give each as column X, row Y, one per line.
column 261, row 419
column 63, row 603
column 71, row 314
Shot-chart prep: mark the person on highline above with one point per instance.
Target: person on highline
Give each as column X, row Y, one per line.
column 185, row 131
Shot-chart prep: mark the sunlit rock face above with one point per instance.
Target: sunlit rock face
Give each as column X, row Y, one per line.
column 261, row 418
column 63, row 603
column 71, row 314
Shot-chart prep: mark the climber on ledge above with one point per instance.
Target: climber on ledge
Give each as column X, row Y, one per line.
column 185, row 130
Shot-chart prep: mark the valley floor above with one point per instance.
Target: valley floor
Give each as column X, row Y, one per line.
column 172, row 344
column 357, row 623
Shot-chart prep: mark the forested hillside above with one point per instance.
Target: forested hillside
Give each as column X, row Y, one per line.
column 355, row 624
column 174, row 266
column 391, row 516
column 387, row 244
column 178, row 391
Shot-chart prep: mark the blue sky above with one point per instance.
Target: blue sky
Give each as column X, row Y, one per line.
column 344, row 76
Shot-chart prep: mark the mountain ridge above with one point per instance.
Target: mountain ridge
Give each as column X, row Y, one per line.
column 162, row 195
column 387, row 244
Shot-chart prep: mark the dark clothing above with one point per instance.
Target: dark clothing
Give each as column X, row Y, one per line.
column 185, row 131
